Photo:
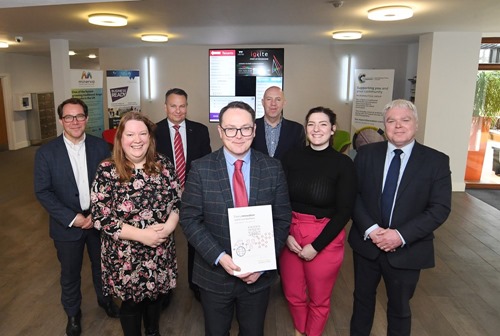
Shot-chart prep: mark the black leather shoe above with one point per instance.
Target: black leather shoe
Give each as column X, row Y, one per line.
column 74, row 327
column 152, row 333
column 110, row 308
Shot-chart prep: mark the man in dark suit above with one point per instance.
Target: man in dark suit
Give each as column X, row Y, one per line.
column 209, row 192
column 64, row 170
column 196, row 144
column 392, row 232
column 276, row 135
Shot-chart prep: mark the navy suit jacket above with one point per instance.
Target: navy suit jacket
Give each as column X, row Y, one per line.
column 55, row 184
column 423, row 203
column 197, row 138
column 204, row 218
column 292, row 136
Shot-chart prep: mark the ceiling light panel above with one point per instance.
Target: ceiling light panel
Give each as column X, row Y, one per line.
column 390, row 13
column 154, row 38
column 108, row 19
column 347, row 35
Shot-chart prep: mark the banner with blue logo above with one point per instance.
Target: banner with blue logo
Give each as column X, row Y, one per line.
column 124, row 94
column 87, row 85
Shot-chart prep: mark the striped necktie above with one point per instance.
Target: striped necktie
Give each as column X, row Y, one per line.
column 180, row 161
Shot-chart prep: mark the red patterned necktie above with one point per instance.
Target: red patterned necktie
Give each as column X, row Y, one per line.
column 180, row 161
column 240, row 192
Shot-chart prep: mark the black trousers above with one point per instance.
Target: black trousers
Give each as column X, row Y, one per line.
column 191, row 253
column 70, row 255
column 400, row 286
column 132, row 314
column 218, row 310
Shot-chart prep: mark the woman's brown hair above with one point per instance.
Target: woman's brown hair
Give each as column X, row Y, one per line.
column 124, row 167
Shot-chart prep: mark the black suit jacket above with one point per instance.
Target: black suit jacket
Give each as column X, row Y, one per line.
column 197, row 138
column 204, row 218
column 55, row 184
column 292, row 136
column 423, row 203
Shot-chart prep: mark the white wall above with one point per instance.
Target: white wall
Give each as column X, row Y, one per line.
column 445, row 95
column 312, row 77
column 27, row 74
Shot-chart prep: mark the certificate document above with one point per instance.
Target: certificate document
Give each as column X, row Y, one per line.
column 252, row 238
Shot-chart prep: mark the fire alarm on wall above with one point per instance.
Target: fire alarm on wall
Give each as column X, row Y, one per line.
column 22, row 102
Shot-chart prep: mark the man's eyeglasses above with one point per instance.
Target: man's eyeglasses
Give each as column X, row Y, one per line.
column 231, row 132
column 70, row 118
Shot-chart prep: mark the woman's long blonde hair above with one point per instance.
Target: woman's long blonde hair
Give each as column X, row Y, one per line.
column 124, row 167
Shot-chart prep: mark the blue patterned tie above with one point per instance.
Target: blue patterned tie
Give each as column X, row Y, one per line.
column 391, row 184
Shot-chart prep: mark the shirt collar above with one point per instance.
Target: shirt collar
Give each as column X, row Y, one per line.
column 71, row 144
column 231, row 159
column 270, row 126
column 182, row 124
column 406, row 149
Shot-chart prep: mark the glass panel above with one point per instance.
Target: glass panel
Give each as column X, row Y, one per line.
column 489, row 53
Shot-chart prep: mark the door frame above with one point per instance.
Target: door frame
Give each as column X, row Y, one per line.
column 7, row 98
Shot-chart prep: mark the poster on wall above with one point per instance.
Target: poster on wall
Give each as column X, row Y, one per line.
column 87, row 85
column 244, row 75
column 372, row 91
column 124, row 94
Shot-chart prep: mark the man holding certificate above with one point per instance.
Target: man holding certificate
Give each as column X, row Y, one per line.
column 235, row 177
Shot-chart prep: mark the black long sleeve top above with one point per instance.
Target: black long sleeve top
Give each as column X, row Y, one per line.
column 323, row 184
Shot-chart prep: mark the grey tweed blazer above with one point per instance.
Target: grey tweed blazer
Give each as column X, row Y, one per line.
column 204, row 218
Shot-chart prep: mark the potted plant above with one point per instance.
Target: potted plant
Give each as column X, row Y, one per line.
column 487, row 98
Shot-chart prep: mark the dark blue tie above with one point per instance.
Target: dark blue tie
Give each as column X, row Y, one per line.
column 391, row 184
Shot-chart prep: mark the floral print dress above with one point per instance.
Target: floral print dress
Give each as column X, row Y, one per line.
column 132, row 270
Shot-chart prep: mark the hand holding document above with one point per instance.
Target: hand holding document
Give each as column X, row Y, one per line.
column 252, row 238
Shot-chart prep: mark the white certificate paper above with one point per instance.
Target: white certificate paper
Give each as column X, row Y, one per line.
column 252, row 238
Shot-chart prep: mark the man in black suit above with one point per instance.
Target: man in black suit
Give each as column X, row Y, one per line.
column 204, row 219
column 276, row 135
column 196, row 144
column 64, row 170
column 395, row 243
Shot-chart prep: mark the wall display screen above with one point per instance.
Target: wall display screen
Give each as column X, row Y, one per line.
column 244, row 75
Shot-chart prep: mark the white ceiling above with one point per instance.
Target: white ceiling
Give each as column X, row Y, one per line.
column 233, row 22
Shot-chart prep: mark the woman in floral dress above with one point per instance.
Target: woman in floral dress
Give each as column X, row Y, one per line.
column 135, row 203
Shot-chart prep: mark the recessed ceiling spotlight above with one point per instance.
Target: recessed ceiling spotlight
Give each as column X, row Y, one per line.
column 92, row 56
column 4, row 45
column 71, row 53
column 154, row 38
column 109, row 20
column 390, row 13
column 347, row 35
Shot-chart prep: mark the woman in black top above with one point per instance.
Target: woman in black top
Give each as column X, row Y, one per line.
column 322, row 187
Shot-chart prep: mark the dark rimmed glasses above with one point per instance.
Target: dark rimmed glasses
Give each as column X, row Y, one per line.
column 231, row 132
column 71, row 118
